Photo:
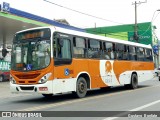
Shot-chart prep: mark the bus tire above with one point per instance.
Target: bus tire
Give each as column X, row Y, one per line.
column 81, row 88
column 47, row 95
column 134, row 82
column 1, row 78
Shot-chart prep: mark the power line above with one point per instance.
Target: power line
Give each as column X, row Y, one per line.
column 99, row 17
column 82, row 12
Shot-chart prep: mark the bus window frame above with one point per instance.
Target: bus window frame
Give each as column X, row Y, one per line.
column 57, row 60
column 74, row 47
column 97, row 51
column 140, row 54
column 120, row 51
column 109, row 51
column 133, row 53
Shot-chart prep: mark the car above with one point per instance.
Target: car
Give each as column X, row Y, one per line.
column 4, row 76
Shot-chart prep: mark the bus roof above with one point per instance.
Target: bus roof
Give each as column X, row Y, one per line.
column 88, row 35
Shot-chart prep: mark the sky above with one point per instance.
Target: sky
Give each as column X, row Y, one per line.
column 111, row 12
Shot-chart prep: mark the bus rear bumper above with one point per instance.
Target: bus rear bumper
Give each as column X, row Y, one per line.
column 45, row 88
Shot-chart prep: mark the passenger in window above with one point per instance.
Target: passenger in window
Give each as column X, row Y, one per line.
column 111, row 54
column 119, row 54
column 107, row 55
column 57, row 50
column 96, row 54
column 54, row 49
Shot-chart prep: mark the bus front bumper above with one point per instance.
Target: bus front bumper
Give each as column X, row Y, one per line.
column 45, row 88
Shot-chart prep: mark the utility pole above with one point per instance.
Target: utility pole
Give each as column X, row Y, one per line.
column 95, row 26
column 135, row 36
column 135, row 27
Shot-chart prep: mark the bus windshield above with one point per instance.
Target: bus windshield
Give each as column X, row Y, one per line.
column 30, row 54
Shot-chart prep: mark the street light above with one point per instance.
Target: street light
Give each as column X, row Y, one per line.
column 154, row 14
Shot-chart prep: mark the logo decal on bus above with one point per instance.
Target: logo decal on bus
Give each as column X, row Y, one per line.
column 108, row 67
column 29, row 67
column 66, row 71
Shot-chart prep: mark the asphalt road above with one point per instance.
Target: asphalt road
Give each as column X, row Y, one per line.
column 97, row 105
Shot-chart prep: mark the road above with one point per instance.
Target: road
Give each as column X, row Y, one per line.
column 145, row 98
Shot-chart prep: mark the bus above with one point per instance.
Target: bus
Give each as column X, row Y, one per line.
column 53, row 60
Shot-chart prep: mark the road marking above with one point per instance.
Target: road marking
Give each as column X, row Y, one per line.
column 79, row 100
column 135, row 109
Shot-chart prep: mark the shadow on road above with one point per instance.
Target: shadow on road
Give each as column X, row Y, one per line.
column 38, row 99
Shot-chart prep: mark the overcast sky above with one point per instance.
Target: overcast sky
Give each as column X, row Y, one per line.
column 115, row 12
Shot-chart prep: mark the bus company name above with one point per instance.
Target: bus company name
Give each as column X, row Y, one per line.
column 141, row 37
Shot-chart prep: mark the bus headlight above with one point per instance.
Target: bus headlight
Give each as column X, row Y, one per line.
column 44, row 78
column 12, row 80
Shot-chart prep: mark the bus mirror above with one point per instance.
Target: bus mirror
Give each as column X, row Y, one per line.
column 61, row 42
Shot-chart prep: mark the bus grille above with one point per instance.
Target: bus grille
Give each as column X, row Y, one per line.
column 27, row 88
column 27, row 76
column 27, row 82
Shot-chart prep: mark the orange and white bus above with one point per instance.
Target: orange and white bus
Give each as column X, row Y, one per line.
column 52, row 60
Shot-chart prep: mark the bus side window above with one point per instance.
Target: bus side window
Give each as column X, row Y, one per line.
column 125, row 54
column 94, row 49
column 65, row 50
column 56, row 49
column 108, row 51
column 79, row 47
column 132, row 53
column 55, row 44
column 148, row 55
column 120, row 50
column 62, row 50
column 140, row 54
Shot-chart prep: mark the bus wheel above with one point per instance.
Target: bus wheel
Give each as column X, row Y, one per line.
column 1, row 78
column 81, row 88
column 47, row 95
column 134, row 81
